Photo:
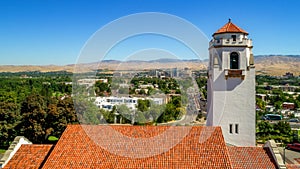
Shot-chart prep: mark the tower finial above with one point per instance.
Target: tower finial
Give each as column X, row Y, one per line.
column 229, row 20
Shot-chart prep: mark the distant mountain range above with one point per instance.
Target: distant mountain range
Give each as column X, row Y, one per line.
column 265, row 64
column 282, row 56
column 277, row 64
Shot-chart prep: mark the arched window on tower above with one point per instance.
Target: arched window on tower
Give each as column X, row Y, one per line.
column 234, row 60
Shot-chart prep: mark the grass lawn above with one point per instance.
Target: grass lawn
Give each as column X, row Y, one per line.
column 52, row 138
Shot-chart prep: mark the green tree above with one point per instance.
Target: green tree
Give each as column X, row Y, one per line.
column 264, row 128
column 101, row 87
column 140, row 117
column 142, row 92
column 280, row 132
column 125, row 113
column 33, row 113
column 60, row 114
column 261, row 91
column 143, row 105
column 278, row 104
column 261, row 104
column 176, row 101
column 108, row 116
column 9, row 118
column 283, row 128
column 155, row 111
column 87, row 111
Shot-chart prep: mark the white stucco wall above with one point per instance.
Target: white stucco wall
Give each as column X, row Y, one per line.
column 232, row 100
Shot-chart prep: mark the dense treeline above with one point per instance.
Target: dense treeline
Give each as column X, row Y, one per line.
column 40, row 107
column 280, row 132
column 274, row 80
column 36, row 118
column 35, row 107
column 17, row 89
column 35, row 74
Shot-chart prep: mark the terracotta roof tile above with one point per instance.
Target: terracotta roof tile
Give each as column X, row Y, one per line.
column 98, row 146
column 293, row 166
column 230, row 28
column 29, row 156
column 76, row 149
column 251, row 157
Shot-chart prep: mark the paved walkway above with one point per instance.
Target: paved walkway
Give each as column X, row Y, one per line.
column 291, row 157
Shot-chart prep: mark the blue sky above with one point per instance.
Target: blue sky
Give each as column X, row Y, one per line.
column 43, row 32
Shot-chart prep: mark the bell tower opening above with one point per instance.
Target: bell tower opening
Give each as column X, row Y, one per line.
column 233, row 37
column 234, row 60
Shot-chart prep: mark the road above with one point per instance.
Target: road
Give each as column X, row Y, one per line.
column 192, row 108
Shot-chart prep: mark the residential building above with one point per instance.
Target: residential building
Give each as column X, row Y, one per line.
column 90, row 82
column 261, row 96
column 270, row 108
column 288, row 105
column 108, row 103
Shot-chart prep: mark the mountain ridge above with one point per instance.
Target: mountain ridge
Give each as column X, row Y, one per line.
column 265, row 64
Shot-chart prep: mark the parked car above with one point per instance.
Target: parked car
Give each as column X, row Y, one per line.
column 294, row 146
column 272, row 117
column 294, row 120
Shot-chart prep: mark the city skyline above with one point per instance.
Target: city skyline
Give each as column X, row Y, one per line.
column 52, row 32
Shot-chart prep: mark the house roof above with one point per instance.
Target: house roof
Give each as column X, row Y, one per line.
column 29, row 156
column 76, row 149
column 109, row 146
column 229, row 27
column 251, row 157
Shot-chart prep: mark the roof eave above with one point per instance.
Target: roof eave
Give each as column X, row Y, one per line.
column 217, row 33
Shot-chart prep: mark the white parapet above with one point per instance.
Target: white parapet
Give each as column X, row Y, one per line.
column 13, row 148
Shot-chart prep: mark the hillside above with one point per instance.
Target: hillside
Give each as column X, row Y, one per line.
column 110, row 65
column 277, row 65
column 265, row 64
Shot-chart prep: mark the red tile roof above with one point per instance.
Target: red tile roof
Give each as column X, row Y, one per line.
column 106, row 146
column 29, row 156
column 230, row 28
column 293, row 166
column 76, row 149
column 251, row 157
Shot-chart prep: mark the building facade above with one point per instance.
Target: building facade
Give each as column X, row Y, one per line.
column 108, row 103
column 231, row 85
